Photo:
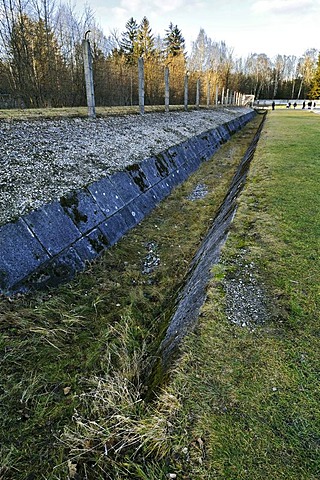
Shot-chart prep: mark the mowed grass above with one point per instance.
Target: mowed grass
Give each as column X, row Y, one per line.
column 250, row 394
column 73, row 359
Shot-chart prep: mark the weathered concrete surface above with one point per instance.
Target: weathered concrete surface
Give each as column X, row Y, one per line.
column 64, row 234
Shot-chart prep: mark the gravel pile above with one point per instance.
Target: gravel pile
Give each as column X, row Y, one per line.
column 41, row 160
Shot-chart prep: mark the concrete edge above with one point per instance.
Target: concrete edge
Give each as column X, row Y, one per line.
column 49, row 245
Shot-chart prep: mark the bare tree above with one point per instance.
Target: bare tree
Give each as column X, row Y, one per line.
column 306, row 69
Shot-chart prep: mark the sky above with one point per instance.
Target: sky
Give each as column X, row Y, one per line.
column 286, row 27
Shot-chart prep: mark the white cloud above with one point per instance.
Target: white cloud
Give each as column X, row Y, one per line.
column 285, row 7
column 131, row 4
column 177, row 5
column 126, row 10
column 168, row 5
column 154, row 8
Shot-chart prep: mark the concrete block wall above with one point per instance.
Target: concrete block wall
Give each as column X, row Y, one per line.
column 49, row 245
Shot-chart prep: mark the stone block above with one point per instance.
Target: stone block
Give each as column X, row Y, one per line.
column 144, row 203
column 20, row 254
column 205, row 140
column 159, row 192
column 135, row 212
column 83, row 209
column 189, row 150
column 114, row 228
column 125, row 186
column 181, row 174
column 197, row 145
column 172, row 160
column 53, row 227
column 178, row 154
column 139, row 177
column 215, row 138
column 106, row 195
column 164, row 164
column 150, row 170
column 162, row 189
column 59, row 269
column 173, row 179
column 236, row 125
column 91, row 246
column 130, row 217
column 223, row 132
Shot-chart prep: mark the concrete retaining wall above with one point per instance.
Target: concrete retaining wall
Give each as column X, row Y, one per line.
column 52, row 243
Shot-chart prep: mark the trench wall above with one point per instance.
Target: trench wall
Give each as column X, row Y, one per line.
column 49, row 245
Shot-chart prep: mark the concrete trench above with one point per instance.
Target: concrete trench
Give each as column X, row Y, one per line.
column 193, row 294
column 49, row 245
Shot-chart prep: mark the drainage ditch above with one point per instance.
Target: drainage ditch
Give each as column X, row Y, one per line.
column 192, row 295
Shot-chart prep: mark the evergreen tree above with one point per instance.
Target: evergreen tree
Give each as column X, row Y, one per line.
column 129, row 38
column 174, row 41
column 176, row 61
column 145, row 39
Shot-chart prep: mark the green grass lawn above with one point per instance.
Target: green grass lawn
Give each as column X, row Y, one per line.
column 250, row 395
column 242, row 402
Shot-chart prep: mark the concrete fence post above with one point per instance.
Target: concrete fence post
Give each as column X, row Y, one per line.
column 186, row 92
column 141, row 84
column 198, row 93
column 208, row 93
column 217, row 95
column 222, row 96
column 167, row 89
column 88, row 74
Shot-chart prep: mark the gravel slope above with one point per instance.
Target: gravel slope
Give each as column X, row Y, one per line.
column 41, row 160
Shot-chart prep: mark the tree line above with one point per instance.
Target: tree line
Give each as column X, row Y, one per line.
column 41, row 61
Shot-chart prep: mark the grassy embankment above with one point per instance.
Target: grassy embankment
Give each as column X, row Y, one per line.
column 243, row 402
column 98, row 333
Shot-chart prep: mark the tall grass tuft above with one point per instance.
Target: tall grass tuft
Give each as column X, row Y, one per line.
column 113, row 422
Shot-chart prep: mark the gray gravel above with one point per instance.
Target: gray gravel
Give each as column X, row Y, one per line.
column 41, row 160
column 247, row 304
column 199, row 192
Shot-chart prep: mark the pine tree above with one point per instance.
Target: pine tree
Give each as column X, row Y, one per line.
column 129, row 38
column 176, row 61
column 145, row 40
column 174, row 41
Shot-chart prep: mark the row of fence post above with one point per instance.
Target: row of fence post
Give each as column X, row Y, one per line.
column 227, row 96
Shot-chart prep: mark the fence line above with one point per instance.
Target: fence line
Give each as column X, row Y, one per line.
column 230, row 98
column 144, row 83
